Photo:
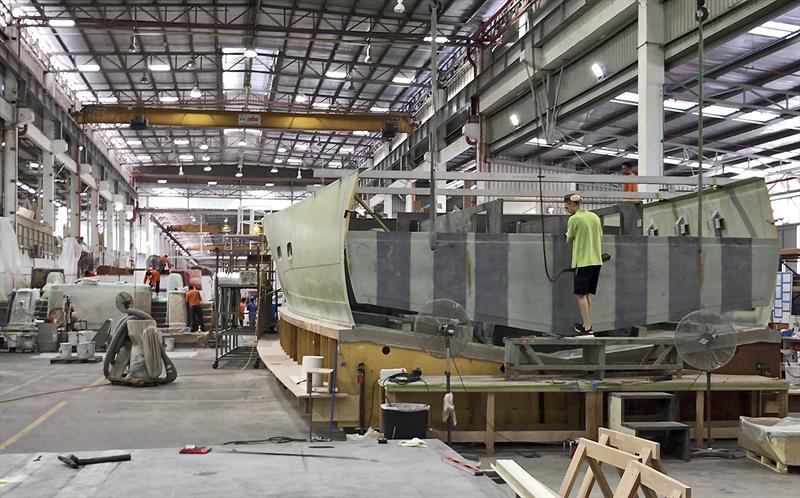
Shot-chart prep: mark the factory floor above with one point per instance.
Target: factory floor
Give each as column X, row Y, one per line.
column 212, row 409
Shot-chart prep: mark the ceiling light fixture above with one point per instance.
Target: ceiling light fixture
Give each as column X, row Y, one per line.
column 321, row 105
column 598, row 71
column 212, row 182
column 206, row 157
column 61, row 23
column 145, row 79
column 250, row 53
column 207, row 168
column 133, row 48
column 281, row 149
column 269, row 184
column 399, row 8
column 439, row 39
column 195, row 93
column 362, row 133
column 377, row 108
column 108, row 100
column 88, row 68
column 181, row 141
column 273, row 170
column 368, row 55
column 336, row 74
column 514, row 120
column 203, row 146
column 158, row 66
column 238, row 174
column 186, row 157
column 402, row 80
column 301, row 98
column 299, row 174
column 162, row 181
column 242, row 142
column 278, row 160
column 180, row 170
column 168, row 99
column 134, row 141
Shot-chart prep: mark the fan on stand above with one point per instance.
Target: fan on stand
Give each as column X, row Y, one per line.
column 442, row 329
column 706, row 341
column 153, row 261
column 124, row 301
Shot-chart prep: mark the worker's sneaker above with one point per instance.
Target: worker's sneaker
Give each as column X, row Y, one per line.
column 579, row 330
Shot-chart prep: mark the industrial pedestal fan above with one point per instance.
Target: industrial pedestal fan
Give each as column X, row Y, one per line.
column 706, row 341
column 442, row 329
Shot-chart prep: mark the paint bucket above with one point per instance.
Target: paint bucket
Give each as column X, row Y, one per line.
column 310, row 362
column 65, row 351
column 404, row 420
column 72, row 338
column 85, row 350
column 169, row 344
column 793, row 373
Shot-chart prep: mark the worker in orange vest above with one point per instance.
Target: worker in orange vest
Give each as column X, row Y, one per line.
column 628, row 171
column 153, row 277
column 193, row 299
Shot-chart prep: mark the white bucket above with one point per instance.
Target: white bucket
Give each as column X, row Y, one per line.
column 65, row 351
column 85, row 350
column 308, row 363
column 169, row 343
column 793, row 373
column 72, row 337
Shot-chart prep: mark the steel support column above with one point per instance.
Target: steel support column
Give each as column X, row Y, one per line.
column 74, row 203
column 48, row 179
column 10, row 152
column 650, row 115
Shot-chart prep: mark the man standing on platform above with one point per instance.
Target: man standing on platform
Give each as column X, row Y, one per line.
column 585, row 233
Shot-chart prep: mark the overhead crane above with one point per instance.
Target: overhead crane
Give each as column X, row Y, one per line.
column 142, row 117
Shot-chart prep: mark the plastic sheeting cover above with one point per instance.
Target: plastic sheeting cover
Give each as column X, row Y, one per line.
column 11, row 264
column 68, row 260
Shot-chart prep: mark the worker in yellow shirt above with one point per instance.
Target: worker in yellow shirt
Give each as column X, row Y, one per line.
column 585, row 233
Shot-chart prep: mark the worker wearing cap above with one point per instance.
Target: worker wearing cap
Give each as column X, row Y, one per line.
column 153, row 277
column 585, row 233
column 193, row 299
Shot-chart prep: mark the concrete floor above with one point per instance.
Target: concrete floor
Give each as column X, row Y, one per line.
column 212, row 409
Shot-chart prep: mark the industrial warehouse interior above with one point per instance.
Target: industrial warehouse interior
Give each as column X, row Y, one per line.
column 351, row 248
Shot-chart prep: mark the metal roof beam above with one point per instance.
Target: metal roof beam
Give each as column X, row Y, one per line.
column 184, row 117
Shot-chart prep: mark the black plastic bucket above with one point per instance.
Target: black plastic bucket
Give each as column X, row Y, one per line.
column 405, row 420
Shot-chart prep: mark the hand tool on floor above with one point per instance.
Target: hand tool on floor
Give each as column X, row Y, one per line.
column 466, row 467
column 75, row 462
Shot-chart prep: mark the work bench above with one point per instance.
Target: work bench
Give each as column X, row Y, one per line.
column 592, row 393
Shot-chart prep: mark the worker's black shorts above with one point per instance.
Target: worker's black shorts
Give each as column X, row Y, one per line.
column 585, row 281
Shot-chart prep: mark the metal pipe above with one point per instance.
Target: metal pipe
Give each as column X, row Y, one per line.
column 433, row 138
column 700, row 14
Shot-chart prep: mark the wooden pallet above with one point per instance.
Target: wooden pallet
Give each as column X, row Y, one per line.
column 766, row 461
column 96, row 359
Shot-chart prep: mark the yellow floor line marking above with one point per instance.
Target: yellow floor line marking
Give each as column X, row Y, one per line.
column 36, row 423
column 35, row 379
column 88, row 388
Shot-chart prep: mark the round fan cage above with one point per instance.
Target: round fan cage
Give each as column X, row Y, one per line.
column 705, row 340
column 124, row 301
column 431, row 328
